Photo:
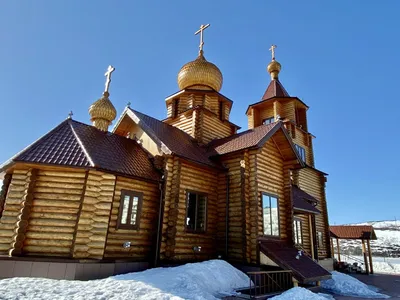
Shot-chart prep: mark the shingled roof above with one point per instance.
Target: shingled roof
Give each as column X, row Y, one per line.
column 246, row 139
column 300, row 201
column 275, row 89
column 284, row 255
column 176, row 140
column 353, row 232
column 79, row 145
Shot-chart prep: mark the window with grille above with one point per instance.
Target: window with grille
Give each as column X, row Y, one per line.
column 196, row 212
column 301, row 151
column 129, row 210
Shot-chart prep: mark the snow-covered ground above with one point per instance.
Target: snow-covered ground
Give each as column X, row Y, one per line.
column 340, row 284
column 384, row 265
column 205, row 280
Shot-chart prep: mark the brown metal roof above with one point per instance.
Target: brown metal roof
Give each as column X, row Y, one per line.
column 275, row 89
column 284, row 255
column 301, row 201
column 246, row 139
column 79, row 145
column 353, row 232
column 177, row 141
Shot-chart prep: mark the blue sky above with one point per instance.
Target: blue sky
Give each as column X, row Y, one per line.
column 340, row 57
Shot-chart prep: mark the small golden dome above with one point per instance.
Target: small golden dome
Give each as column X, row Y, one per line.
column 102, row 112
column 200, row 72
column 274, row 68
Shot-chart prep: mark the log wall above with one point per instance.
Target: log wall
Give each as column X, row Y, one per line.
column 16, row 192
column 142, row 239
column 177, row 244
column 271, row 179
column 214, row 128
column 313, row 182
column 56, row 202
column 91, row 230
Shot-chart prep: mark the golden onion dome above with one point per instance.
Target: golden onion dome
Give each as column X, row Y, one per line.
column 200, row 72
column 274, row 68
column 102, row 112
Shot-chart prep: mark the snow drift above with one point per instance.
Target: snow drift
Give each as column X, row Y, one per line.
column 342, row 284
column 205, row 280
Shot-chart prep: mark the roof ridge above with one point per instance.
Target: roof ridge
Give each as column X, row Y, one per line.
column 89, row 158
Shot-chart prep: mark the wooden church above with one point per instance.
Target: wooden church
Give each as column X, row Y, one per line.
column 187, row 188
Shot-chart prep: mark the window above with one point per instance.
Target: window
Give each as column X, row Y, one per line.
column 221, row 111
column 301, row 151
column 129, row 210
column 270, row 215
column 268, row 121
column 298, row 231
column 320, row 240
column 196, row 208
column 175, row 108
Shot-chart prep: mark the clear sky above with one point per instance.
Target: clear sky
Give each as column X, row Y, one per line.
column 340, row 57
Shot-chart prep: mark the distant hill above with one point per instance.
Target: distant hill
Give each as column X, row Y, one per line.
column 387, row 245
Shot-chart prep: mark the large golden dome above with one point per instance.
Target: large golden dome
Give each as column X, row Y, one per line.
column 200, row 72
column 102, row 112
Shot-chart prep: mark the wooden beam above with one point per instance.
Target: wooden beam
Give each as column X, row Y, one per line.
column 338, row 249
column 370, row 257
column 311, row 236
column 332, row 249
column 365, row 257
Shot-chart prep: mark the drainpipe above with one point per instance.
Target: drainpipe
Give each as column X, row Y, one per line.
column 227, row 216
column 160, row 218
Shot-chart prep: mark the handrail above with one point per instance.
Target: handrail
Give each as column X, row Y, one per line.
column 267, row 282
column 304, row 250
column 268, row 272
column 352, row 257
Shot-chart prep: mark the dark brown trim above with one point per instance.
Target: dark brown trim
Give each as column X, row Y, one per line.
column 197, row 193
column 279, row 216
column 243, row 201
column 131, row 194
column 79, row 214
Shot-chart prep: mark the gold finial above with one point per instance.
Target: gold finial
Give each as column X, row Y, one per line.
column 102, row 112
column 108, row 76
column 272, row 49
column 70, row 114
column 274, row 67
column 202, row 28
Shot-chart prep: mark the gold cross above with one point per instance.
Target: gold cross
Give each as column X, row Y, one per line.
column 108, row 76
column 272, row 49
column 202, row 27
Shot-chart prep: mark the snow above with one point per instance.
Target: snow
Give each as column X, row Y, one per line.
column 383, row 265
column 299, row 293
column 205, row 280
column 342, row 284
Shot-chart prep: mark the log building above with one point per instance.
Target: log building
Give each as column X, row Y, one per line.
column 186, row 188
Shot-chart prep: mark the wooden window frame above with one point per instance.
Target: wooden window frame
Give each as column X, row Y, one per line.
column 271, row 118
column 132, row 194
column 189, row 230
column 320, row 243
column 298, row 147
column 301, row 230
column 279, row 217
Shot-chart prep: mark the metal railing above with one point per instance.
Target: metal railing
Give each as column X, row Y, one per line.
column 269, row 282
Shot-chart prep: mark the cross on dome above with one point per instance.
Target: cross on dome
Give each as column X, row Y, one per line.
column 108, row 77
column 202, row 28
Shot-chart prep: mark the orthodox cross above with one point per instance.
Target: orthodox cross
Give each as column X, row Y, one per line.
column 108, row 76
column 202, row 27
column 272, row 49
column 70, row 115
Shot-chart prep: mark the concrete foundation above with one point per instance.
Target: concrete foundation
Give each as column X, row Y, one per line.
column 65, row 269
